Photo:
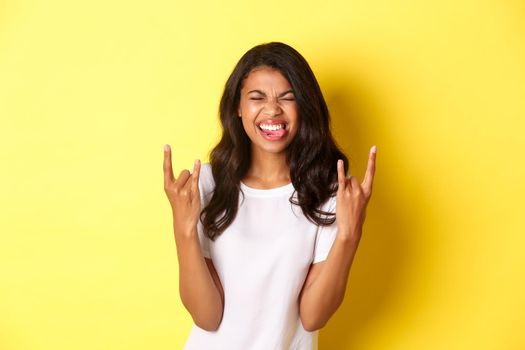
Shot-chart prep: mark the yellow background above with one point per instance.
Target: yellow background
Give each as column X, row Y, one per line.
column 91, row 91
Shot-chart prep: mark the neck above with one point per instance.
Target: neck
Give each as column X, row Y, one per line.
column 268, row 169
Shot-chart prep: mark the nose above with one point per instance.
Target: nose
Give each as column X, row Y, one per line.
column 271, row 108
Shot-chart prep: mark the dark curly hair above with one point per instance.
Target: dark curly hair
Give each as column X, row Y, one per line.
column 312, row 155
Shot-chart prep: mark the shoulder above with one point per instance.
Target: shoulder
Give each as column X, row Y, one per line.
column 330, row 204
column 205, row 171
column 206, row 181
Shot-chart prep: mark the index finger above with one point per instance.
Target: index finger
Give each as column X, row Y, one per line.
column 370, row 170
column 168, row 170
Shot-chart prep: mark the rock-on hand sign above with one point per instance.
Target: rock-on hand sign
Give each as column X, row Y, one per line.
column 183, row 194
column 352, row 198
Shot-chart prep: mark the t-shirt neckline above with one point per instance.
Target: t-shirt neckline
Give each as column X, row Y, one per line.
column 259, row 192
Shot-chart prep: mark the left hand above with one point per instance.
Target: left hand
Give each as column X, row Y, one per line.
column 352, row 199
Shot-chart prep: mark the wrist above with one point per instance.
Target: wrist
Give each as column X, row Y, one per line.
column 184, row 231
column 349, row 237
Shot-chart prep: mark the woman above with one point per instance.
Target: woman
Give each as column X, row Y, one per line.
column 265, row 264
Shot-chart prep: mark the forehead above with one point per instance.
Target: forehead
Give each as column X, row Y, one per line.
column 266, row 77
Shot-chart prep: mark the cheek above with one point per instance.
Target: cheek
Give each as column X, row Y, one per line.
column 248, row 127
column 251, row 109
column 293, row 111
column 292, row 107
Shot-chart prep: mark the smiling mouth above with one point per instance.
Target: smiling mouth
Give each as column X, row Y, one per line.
column 273, row 131
column 270, row 124
column 283, row 127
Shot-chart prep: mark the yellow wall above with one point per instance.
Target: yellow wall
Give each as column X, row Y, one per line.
column 91, row 91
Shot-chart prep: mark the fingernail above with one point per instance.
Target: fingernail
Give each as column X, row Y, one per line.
column 373, row 149
column 166, row 147
column 196, row 161
column 339, row 162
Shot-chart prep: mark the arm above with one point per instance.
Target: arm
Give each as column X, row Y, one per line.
column 200, row 292
column 199, row 287
column 325, row 285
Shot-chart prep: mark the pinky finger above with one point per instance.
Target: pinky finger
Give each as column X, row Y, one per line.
column 195, row 176
column 341, row 175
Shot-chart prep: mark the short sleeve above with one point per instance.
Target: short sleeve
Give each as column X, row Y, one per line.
column 203, row 240
column 205, row 186
column 325, row 234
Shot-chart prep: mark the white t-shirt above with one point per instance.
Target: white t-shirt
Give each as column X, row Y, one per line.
column 262, row 260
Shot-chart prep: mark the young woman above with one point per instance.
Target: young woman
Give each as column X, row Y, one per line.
column 267, row 231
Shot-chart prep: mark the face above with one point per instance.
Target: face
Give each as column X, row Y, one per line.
column 268, row 110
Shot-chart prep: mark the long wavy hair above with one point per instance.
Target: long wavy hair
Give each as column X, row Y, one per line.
column 312, row 155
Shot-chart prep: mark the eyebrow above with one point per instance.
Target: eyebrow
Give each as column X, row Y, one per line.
column 262, row 93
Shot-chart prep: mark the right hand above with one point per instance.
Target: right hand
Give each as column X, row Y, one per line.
column 183, row 194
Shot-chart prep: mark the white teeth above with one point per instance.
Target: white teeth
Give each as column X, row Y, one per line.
column 271, row 127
